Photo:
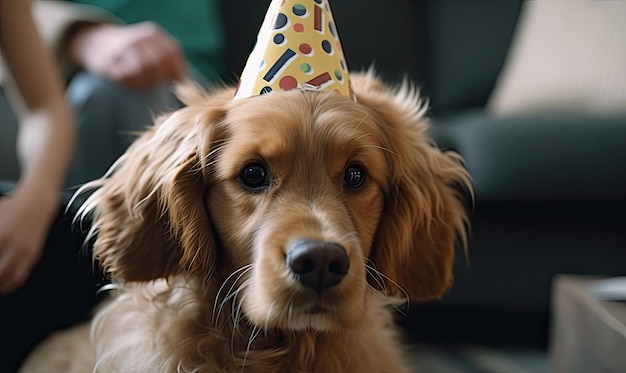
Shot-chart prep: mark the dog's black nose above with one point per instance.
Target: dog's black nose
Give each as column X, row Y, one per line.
column 317, row 264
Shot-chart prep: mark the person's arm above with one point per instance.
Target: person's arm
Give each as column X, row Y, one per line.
column 45, row 144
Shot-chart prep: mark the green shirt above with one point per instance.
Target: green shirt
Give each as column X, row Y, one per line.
column 195, row 24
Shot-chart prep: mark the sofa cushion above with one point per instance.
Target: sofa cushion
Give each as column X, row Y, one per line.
column 566, row 55
column 468, row 42
column 539, row 156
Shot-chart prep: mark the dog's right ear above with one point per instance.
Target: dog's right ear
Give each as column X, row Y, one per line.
column 425, row 214
column 149, row 215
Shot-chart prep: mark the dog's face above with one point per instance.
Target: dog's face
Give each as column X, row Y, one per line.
column 297, row 191
column 300, row 204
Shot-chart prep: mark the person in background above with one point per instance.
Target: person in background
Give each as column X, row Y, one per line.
column 120, row 60
column 44, row 286
column 45, row 144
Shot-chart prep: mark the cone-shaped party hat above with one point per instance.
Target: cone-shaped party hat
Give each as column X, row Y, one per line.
column 297, row 48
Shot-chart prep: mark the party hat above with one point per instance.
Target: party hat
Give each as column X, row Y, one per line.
column 297, row 48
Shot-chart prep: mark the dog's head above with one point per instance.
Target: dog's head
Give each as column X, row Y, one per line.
column 303, row 202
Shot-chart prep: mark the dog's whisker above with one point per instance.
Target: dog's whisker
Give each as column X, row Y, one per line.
column 233, row 316
column 376, row 277
column 253, row 335
column 225, row 282
column 399, row 310
column 387, row 278
column 390, row 302
column 380, row 278
column 362, row 121
column 363, row 135
column 243, row 271
column 245, row 268
column 236, row 317
column 237, row 307
column 386, row 150
column 232, row 295
column 375, row 274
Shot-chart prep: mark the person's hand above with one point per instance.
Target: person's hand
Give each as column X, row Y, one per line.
column 25, row 219
column 139, row 56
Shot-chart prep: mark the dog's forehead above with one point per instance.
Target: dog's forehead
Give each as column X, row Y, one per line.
column 301, row 118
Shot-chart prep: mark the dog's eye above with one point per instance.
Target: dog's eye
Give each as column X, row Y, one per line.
column 254, row 176
column 354, row 177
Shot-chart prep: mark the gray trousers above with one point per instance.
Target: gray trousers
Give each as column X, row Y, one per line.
column 9, row 169
column 108, row 118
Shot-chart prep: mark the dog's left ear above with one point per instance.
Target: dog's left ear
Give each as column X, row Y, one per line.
column 150, row 218
column 424, row 214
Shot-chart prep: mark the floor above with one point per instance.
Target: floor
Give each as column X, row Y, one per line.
column 477, row 359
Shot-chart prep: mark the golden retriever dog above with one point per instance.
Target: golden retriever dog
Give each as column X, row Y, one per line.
column 275, row 233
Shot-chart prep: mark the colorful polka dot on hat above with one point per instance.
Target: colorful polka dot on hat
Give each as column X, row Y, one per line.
column 297, row 48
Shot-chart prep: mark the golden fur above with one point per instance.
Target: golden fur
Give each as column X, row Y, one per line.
column 200, row 259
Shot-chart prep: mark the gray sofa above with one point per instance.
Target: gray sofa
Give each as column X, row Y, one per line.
column 550, row 189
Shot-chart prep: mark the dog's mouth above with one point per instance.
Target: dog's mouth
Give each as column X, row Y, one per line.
column 317, row 310
column 316, row 305
column 305, row 311
column 313, row 316
column 324, row 312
